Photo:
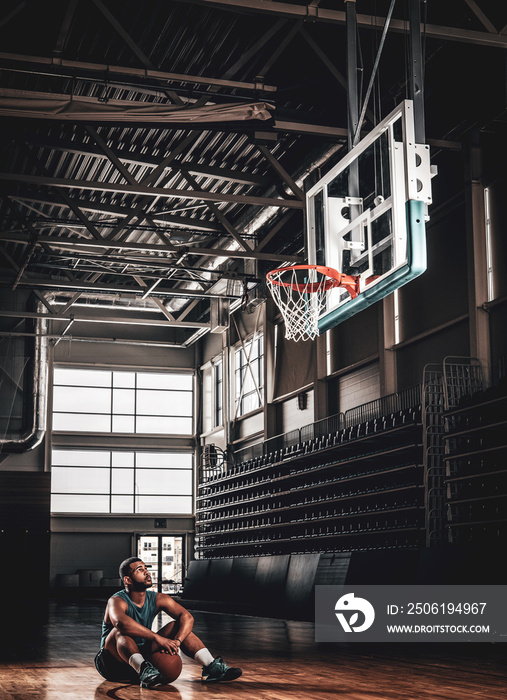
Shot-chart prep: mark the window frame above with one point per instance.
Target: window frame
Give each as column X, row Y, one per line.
column 131, row 442
column 244, row 371
column 136, row 469
column 112, row 389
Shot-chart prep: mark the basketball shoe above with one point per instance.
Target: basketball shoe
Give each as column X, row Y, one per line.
column 149, row 676
column 219, row 671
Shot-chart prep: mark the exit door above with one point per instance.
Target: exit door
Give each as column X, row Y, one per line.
column 163, row 556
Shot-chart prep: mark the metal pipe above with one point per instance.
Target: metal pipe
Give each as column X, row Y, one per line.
column 34, row 433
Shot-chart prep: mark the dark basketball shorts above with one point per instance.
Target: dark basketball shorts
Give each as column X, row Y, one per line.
column 113, row 670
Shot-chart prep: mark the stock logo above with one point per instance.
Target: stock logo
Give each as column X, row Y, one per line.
column 348, row 603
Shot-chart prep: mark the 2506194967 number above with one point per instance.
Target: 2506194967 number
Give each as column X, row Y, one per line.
column 446, row 608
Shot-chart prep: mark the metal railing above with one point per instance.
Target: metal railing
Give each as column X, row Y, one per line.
column 377, row 409
column 408, row 398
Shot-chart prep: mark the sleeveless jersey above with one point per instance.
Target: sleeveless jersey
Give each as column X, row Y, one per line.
column 144, row 615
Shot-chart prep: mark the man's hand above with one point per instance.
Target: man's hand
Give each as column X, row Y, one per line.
column 168, row 646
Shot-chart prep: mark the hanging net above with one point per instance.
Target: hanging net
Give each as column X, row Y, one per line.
column 300, row 292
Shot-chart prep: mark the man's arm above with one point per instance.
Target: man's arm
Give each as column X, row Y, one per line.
column 117, row 611
column 177, row 612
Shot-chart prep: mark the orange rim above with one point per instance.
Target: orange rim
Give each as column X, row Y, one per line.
column 334, row 279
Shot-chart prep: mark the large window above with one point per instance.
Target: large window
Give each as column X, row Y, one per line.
column 116, row 476
column 120, row 481
column 249, row 375
column 107, row 401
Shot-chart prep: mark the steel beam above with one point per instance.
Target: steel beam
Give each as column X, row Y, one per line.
column 20, row 6
column 318, row 14
column 155, row 300
column 145, row 190
column 291, row 127
column 146, row 261
column 217, row 213
column 278, row 168
column 43, row 299
column 273, row 231
column 64, row 196
column 138, row 73
column 144, row 206
column 253, row 51
column 107, row 243
column 481, row 16
column 65, row 28
column 280, row 48
column 101, row 340
column 145, row 160
column 71, row 302
column 117, row 320
column 123, row 170
column 173, row 96
column 96, row 287
column 119, row 211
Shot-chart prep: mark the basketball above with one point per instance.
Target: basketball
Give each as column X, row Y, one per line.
column 169, row 665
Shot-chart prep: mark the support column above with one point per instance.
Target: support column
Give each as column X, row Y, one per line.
column 352, row 120
column 320, row 388
column 270, row 427
column 352, row 97
column 480, row 340
column 386, row 340
column 416, row 72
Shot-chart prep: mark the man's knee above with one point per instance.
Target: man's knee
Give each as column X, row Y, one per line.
column 168, row 630
column 117, row 641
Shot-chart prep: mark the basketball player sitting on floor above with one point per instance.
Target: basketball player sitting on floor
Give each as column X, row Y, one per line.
column 127, row 637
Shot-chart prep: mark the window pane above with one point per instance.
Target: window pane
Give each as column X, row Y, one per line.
column 124, row 401
column 164, row 481
column 81, row 377
column 250, row 403
column 123, row 424
column 248, row 383
column 123, row 459
column 164, row 426
column 81, row 458
column 155, row 380
column 81, row 423
column 123, row 481
column 164, row 403
column 164, row 504
column 124, row 379
column 122, row 504
column 178, row 460
column 79, row 504
column 249, row 376
column 81, row 399
column 79, row 480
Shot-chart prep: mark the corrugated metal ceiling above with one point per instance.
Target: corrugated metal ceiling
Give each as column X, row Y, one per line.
column 303, row 60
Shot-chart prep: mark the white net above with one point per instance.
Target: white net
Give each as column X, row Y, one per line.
column 301, row 296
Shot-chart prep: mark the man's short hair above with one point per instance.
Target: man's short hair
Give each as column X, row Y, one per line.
column 124, row 569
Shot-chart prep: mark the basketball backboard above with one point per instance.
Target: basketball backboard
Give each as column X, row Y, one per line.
column 366, row 217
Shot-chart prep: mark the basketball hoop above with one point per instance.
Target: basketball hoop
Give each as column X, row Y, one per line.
column 300, row 292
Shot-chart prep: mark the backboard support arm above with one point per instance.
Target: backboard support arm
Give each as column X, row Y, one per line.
column 416, row 70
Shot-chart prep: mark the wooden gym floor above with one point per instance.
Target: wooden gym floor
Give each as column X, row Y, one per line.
column 279, row 659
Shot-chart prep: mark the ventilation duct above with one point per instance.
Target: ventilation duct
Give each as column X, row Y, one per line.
column 23, row 378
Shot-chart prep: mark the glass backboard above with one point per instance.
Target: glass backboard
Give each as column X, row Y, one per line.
column 366, row 217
